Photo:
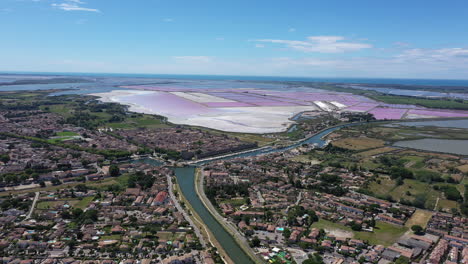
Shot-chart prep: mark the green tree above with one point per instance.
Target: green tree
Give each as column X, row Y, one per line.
column 402, row 260
column 314, row 259
column 114, row 170
column 417, row 229
column 255, row 242
column 4, row 158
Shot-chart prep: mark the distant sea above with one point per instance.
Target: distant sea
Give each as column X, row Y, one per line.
column 434, row 82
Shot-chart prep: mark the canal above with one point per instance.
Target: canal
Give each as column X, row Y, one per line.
column 186, row 179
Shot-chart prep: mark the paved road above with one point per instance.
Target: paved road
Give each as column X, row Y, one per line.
column 184, row 213
column 299, row 198
column 33, row 206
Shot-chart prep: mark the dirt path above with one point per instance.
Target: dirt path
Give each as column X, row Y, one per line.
column 36, row 197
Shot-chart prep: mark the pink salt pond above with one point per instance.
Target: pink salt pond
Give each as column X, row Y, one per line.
column 167, row 103
column 227, row 104
column 388, row 113
column 439, row 113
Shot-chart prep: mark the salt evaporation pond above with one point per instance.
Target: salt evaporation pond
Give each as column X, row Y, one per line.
column 256, row 110
column 460, row 123
column 459, row 147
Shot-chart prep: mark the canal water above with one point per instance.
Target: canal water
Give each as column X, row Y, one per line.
column 316, row 139
column 186, row 179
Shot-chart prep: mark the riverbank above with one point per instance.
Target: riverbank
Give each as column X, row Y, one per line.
column 206, row 234
column 232, row 230
column 215, row 233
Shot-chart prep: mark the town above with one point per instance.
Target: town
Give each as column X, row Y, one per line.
column 102, row 189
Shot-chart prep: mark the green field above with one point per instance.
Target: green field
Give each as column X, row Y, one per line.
column 409, row 189
column 67, row 134
column 133, row 122
column 415, row 162
column 384, row 234
column 111, row 237
column 233, row 202
column 121, row 180
column 432, row 103
column 83, row 203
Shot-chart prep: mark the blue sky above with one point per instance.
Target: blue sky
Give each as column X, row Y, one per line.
column 394, row 39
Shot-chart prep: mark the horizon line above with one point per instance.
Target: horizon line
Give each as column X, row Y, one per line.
column 8, row 72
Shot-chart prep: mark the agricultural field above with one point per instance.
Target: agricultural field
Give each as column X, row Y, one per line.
column 424, row 179
column 411, row 190
column 361, row 143
column 377, row 151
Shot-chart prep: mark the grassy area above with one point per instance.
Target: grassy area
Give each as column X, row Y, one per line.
column 138, row 121
column 420, row 217
column 446, row 204
column 61, row 109
column 416, row 162
column 463, row 168
column 122, row 180
column 431, row 103
column 234, row 202
column 384, row 234
column 83, row 203
column 66, row 134
column 408, row 190
column 111, row 237
column 359, row 143
column 377, row 151
column 164, row 235
column 52, row 204
column 44, row 205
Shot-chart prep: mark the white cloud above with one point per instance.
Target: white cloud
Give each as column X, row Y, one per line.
column 197, row 59
column 220, row 38
column 259, row 45
column 292, row 30
column 74, row 5
column 445, row 55
column 321, row 44
column 168, row 20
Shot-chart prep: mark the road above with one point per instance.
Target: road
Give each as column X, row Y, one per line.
column 299, row 198
column 36, row 197
column 99, row 169
column 437, row 203
column 184, row 213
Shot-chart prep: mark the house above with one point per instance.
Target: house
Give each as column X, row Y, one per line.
column 160, row 198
